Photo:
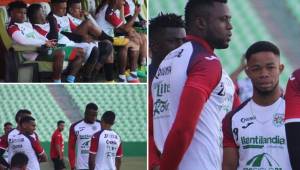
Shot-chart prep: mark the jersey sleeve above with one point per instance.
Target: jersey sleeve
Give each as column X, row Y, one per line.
column 126, row 9
column 236, row 101
column 4, row 142
column 292, row 98
column 112, row 18
column 94, row 143
column 197, row 89
column 36, row 145
column 71, row 146
column 228, row 140
column 120, row 151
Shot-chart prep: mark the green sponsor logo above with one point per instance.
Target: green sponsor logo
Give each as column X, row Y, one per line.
column 260, row 141
column 262, row 161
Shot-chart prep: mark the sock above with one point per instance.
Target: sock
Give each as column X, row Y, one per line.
column 104, row 36
column 70, row 79
column 109, row 71
column 122, row 76
column 57, row 81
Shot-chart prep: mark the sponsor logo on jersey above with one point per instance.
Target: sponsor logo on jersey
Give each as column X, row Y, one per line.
column 262, row 161
column 161, row 88
column 260, row 141
column 160, row 106
column 15, row 140
column 211, row 58
column 163, row 71
column 278, row 119
column 246, row 119
column 85, row 136
column 248, row 124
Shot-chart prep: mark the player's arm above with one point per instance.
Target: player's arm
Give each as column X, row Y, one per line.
column 195, row 93
column 292, row 123
column 71, row 146
column 37, row 147
column 230, row 149
column 93, row 151
column 58, row 148
column 19, row 38
column 3, row 147
column 154, row 154
column 119, row 157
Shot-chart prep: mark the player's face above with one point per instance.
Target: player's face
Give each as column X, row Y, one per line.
column 7, row 128
column 76, row 10
column 168, row 40
column 29, row 127
column 18, row 15
column 91, row 115
column 264, row 68
column 40, row 17
column 61, row 127
column 219, row 26
column 60, row 9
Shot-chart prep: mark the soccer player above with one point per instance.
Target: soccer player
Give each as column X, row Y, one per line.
column 165, row 30
column 108, row 17
column 292, row 117
column 254, row 134
column 25, row 141
column 19, row 161
column 86, row 26
column 7, row 128
column 23, row 33
column 191, row 93
column 3, row 142
column 80, row 136
column 106, row 149
column 57, row 147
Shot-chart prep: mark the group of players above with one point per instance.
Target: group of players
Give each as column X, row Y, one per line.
column 92, row 143
column 86, row 41
column 196, row 120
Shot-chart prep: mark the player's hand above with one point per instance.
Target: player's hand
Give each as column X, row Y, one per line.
column 50, row 43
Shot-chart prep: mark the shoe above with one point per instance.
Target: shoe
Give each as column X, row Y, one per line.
column 120, row 80
column 120, row 41
column 133, row 79
column 127, row 72
column 142, row 72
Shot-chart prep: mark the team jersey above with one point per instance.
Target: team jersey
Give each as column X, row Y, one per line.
column 56, row 139
column 80, row 135
column 109, row 19
column 64, row 24
column 292, row 97
column 16, row 141
column 5, row 154
column 259, row 134
column 106, row 145
column 192, row 65
column 24, row 34
column 74, row 20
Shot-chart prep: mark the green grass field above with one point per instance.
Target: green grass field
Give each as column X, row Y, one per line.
column 128, row 163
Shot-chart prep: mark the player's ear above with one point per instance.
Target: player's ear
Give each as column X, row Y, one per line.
column 200, row 23
column 281, row 68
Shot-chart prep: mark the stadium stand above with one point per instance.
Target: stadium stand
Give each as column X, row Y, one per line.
column 247, row 28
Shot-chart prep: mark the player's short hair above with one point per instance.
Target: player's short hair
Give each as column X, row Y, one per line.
column 108, row 117
column 60, row 122
column 16, row 5
column 91, row 106
column 70, row 2
column 32, row 10
column 164, row 21
column 26, row 119
column 19, row 160
column 262, row 46
column 194, row 6
column 58, row 1
column 20, row 113
column 7, row 124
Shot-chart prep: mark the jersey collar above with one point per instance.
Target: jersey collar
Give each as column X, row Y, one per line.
column 200, row 41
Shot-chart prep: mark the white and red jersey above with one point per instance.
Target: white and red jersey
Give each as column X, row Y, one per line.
column 258, row 132
column 24, row 34
column 106, row 145
column 74, row 20
column 292, row 97
column 192, row 66
column 79, row 142
column 108, row 19
column 64, row 24
column 15, row 141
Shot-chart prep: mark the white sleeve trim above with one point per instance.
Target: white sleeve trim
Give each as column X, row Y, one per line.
column 292, row 120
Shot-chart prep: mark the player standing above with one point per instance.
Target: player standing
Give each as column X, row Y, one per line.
column 80, row 136
column 57, row 147
column 191, row 93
